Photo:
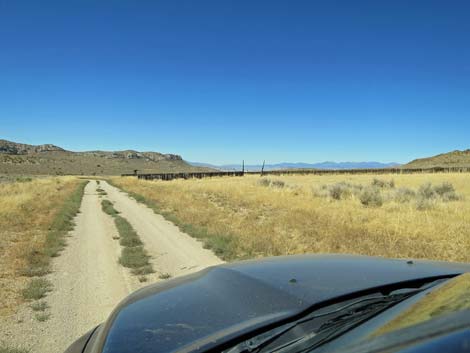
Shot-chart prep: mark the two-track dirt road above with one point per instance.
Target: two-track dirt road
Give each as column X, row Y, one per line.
column 88, row 280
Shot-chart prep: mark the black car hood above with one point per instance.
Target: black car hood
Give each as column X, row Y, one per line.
column 204, row 310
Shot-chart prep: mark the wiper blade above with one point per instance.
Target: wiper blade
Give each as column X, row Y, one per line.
column 335, row 327
column 359, row 311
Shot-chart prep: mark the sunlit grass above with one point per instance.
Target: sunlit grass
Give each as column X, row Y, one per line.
column 243, row 218
column 32, row 219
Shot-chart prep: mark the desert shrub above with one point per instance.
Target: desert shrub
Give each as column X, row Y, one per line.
column 444, row 188
column 447, row 192
column 338, row 191
column 278, row 184
column 264, row 182
column 404, row 195
column 451, row 196
column 426, row 192
column 383, row 183
column 273, row 183
column 423, row 203
column 371, row 197
column 343, row 190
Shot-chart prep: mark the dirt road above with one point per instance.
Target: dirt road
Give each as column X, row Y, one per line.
column 89, row 282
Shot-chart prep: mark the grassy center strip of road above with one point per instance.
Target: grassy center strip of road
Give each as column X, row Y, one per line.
column 133, row 254
column 39, row 259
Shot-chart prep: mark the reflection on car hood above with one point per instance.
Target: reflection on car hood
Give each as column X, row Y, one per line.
column 203, row 310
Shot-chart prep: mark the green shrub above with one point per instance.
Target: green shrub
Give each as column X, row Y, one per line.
column 371, row 197
column 39, row 306
column 220, row 244
column 37, row 289
column 41, row 317
column 107, row 207
column 144, row 270
column 128, row 236
column 134, row 257
column 23, row 179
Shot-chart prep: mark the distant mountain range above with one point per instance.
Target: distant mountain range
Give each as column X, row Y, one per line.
column 299, row 165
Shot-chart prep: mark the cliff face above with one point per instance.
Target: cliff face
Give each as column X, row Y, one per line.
column 9, row 147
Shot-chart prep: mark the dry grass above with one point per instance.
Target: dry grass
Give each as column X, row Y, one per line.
column 27, row 212
column 243, row 218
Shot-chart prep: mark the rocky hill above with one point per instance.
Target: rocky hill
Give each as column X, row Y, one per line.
column 19, row 158
column 452, row 159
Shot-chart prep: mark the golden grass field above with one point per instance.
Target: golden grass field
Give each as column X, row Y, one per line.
column 241, row 218
column 27, row 210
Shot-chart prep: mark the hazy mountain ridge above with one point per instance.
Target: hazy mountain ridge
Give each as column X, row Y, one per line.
column 20, row 158
column 300, row 165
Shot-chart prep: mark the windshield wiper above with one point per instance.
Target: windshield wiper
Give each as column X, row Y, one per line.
column 321, row 327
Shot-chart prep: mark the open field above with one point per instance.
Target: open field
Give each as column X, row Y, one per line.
column 248, row 217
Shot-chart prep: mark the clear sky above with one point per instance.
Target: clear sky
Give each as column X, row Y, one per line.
column 219, row 81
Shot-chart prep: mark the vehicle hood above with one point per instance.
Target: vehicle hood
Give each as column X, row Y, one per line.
column 210, row 308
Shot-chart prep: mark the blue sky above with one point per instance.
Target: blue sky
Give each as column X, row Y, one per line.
column 220, row 81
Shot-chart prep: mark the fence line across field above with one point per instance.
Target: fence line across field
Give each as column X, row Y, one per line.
column 200, row 175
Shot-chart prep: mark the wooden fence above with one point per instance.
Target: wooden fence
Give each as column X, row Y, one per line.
column 193, row 175
column 366, row 171
column 200, row 175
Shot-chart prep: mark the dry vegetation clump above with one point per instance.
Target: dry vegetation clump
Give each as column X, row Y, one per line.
column 133, row 254
column 272, row 183
column 33, row 216
column 379, row 191
column 241, row 218
column 371, row 196
column 383, row 183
